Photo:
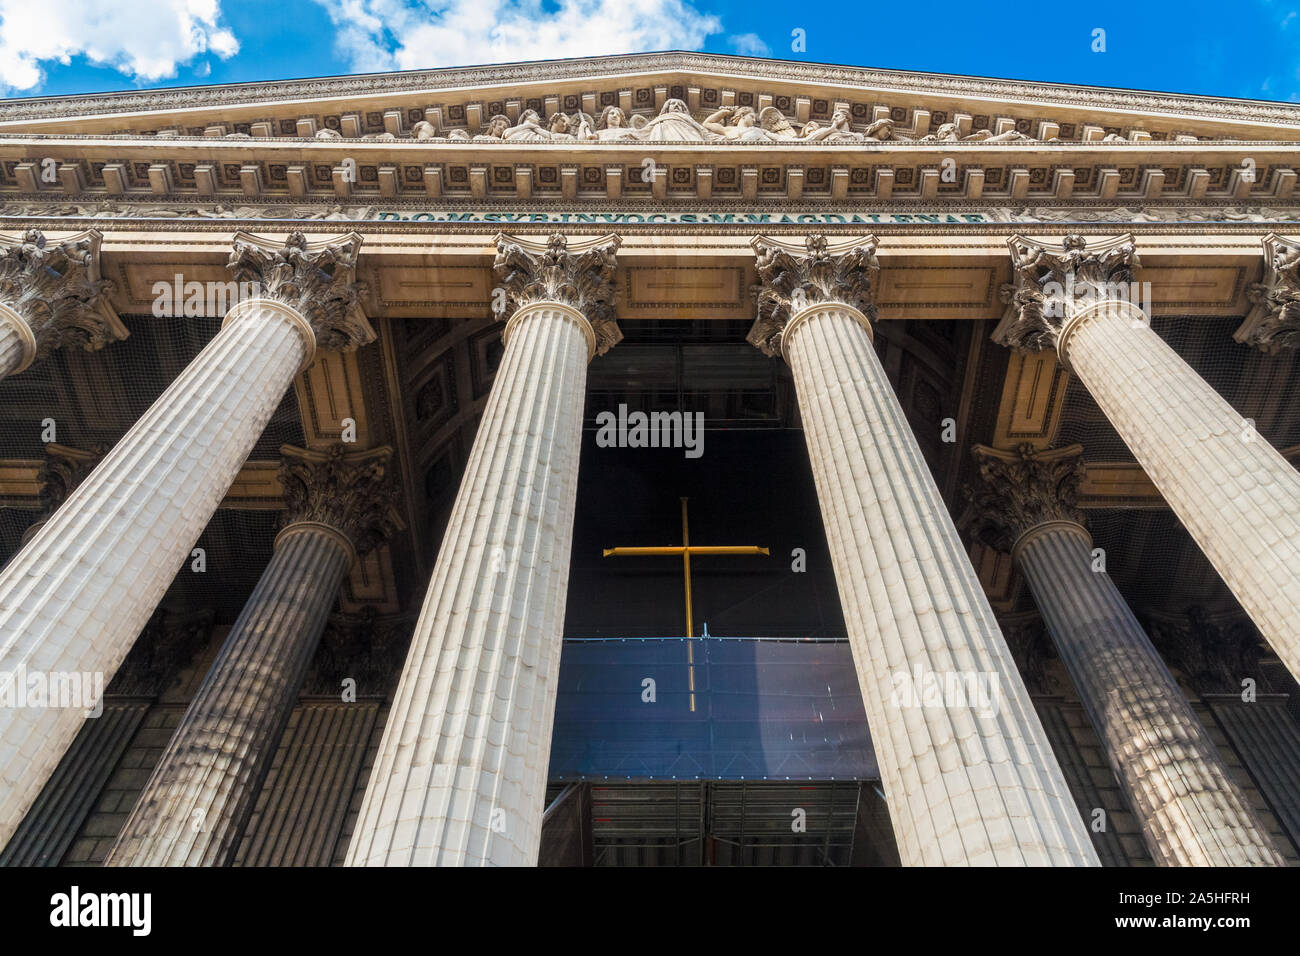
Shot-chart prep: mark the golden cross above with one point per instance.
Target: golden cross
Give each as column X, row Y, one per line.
column 686, row 550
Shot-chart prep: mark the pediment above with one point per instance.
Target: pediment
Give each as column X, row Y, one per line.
column 463, row 99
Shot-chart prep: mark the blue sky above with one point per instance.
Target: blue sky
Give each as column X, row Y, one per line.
column 1251, row 49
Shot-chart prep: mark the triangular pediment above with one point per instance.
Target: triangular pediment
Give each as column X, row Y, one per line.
column 465, row 98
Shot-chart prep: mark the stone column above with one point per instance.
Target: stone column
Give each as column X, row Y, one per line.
column 75, row 597
column 1235, row 493
column 51, row 295
column 968, row 773
column 1191, row 812
column 460, row 778
column 195, row 807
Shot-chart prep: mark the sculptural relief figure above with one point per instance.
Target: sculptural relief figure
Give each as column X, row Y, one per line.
column 777, row 127
column 529, row 129
column 613, row 125
column 675, row 124
column 735, row 124
column 424, row 130
column 328, row 134
column 494, row 130
column 948, row 133
column 561, row 127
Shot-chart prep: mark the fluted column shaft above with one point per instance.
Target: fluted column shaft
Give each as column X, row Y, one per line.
column 17, row 343
column 1191, row 811
column 460, row 777
column 1233, row 491
column 75, row 597
column 195, row 807
column 963, row 786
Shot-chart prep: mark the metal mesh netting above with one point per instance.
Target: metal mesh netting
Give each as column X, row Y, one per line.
column 93, row 398
column 1253, row 383
column 1154, row 561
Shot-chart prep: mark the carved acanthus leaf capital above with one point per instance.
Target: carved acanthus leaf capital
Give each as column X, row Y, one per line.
column 1214, row 653
column 57, row 289
column 1025, row 488
column 1049, row 287
column 166, row 645
column 63, row 470
column 579, row 275
column 316, row 279
column 352, row 492
column 791, row 280
column 1274, row 321
column 1032, row 651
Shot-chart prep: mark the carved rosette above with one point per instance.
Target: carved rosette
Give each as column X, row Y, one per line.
column 1050, row 287
column 1026, row 488
column 580, row 276
column 1274, row 321
column 317, row 280
column 57, row 289
column 790, row 281
column 351, row 492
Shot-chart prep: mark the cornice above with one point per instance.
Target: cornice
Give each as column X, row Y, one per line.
column 676, row 62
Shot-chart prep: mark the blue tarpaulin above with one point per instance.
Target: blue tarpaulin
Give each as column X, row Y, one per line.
column 763, row 710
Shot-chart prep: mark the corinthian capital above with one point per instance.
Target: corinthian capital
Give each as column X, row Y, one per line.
column 791, row 280
column 64, row 469
column 57, row 289
column 580, row 276
column 316, row 279
column 1049, row 288
column 1025, row 488
column 351, row 492
column 1274, row 322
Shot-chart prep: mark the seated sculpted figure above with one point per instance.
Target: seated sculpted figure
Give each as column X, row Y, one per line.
column 948, row 133
column 613, row 124
column 561, row 127
column 529, row 129
column 735, row 123
column 494, row 130
column 675, row 124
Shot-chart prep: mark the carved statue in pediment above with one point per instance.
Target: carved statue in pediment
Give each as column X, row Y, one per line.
column 561, row 127
column 494, row 130
column 613, row 124
column 775, row 124
column 528, row 129
column 328, row 134
column 735, row 123
column 424, row 130
column 949, row 133
column 675, row 124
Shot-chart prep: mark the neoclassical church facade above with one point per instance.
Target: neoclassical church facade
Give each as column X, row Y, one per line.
column 985, row 549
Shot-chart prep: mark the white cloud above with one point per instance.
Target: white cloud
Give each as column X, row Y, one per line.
column 749, row 44
column 397, row 34
column 143, row 39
